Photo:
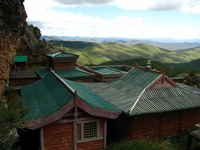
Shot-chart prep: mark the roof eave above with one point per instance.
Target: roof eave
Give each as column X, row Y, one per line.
column 35, row 124
column 97, row 111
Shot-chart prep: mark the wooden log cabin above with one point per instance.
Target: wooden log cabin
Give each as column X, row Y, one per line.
column 152, row 104
column 67, row 114
column 20, row 63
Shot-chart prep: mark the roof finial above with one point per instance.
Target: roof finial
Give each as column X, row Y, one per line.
column 148, row 63
column 61, row 47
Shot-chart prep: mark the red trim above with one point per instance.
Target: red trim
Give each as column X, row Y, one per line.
column 96, row 111
column 151, row 70
column 49, row 119
column 163, row 78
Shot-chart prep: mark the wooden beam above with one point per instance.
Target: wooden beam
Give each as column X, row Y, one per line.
column 74, row 136
column 41, row 139
column 105, row 134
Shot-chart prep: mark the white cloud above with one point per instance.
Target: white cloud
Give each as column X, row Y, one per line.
column 84, row 2
column 50, row 22
column 189, row 6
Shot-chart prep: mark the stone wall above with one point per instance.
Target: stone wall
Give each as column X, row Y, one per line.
column 12, row 27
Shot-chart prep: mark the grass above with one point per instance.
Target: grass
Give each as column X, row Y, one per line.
column 141, row 144
column 33, row 67
column 176, row 142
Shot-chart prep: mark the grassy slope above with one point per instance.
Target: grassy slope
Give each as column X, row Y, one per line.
column 96, row 53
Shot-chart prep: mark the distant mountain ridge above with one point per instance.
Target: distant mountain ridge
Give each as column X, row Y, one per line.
column 97, row 53
column 166, row 43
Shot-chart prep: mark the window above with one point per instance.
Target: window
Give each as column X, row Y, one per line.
column 90, row 130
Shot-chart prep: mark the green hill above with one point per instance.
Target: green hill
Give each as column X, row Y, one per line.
column 97, row 53
column 171, row 69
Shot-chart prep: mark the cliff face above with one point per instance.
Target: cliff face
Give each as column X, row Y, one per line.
column 32, row 46
column 12, row 27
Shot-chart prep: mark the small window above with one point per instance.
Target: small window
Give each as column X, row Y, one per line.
column 90, row 130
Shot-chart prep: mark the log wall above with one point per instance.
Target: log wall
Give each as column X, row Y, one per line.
column 164, row 124
column 154, row 125
column 64, row 65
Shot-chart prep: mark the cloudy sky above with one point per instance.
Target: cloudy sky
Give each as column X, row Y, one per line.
column 116, row 18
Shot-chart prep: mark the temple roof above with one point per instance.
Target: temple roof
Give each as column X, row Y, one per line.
column 134, row 96
column 106, row 70
column 70, row 73
column 20, row 58
column 62, row 55
column 54, row 95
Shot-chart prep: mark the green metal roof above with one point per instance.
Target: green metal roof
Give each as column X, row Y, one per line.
column 45, row 97
column 62, row 54
column 49, row 95
column 177, row 78
column 124, row 92
column 130, row 93
column 42, row 72
column 105, row 70
column 166, row 99
column 90, row 97
column 71, row 73
column 20, row 58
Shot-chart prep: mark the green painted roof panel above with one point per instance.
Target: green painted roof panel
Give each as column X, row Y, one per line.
column 42, row 72
column 72, row 73
column 124, row 93
column 61, row 55
column 166, row 99
column 49, row 95
column 105, row 70
column 44, row 97
column 20, row 58
column 90, row 97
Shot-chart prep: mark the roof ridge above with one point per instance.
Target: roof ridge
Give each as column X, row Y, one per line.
column 55, row 54
column 73, row 91
column 127, row 72
column 81, row 70
column 130, row 110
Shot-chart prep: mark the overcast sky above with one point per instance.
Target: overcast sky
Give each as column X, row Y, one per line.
column 116, row 18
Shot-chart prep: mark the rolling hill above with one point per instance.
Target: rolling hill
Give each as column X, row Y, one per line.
column 97, row 53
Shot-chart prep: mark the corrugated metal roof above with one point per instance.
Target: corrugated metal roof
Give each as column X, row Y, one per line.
column 49, row 95
column 42, row 72
column 166, row 99
column 177, row 78
column 62, row 54
column 70, row 73
column 90, row 97
column 20, row 58
column 190, row 88
column 45, row 97
column 123, row 93
column 106, row 70
column 131, row 91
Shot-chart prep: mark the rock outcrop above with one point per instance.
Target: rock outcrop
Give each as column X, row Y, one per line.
column 32, row 46
column 12, row 27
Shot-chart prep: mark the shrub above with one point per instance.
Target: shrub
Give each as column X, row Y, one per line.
column 11, row 118
column 141, row 144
